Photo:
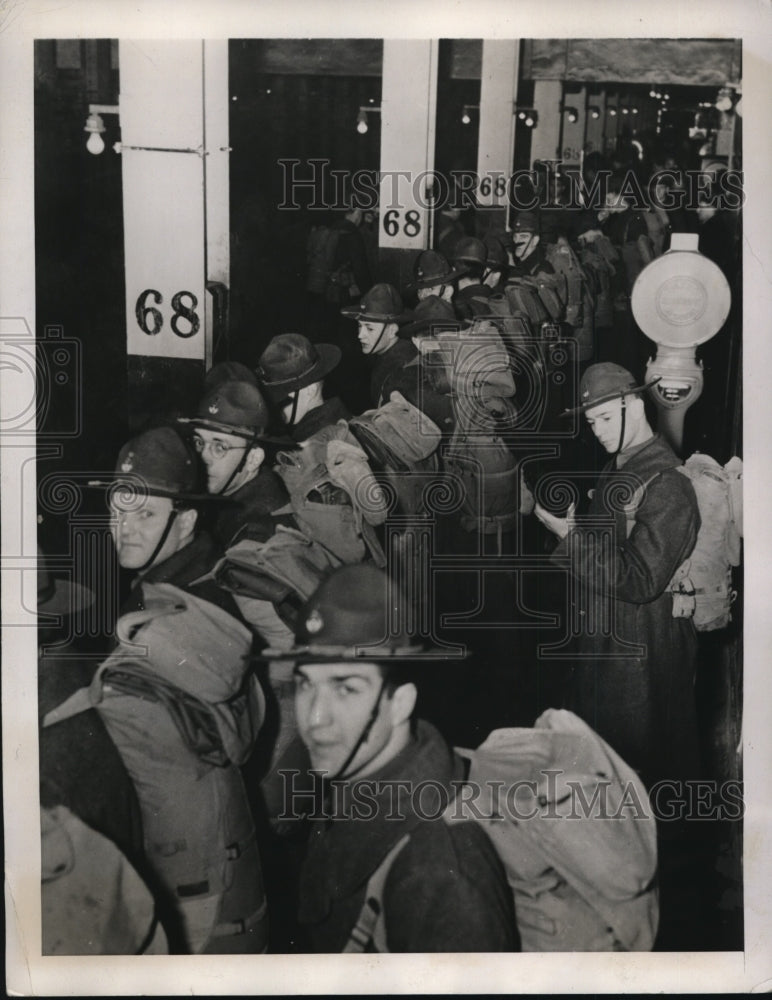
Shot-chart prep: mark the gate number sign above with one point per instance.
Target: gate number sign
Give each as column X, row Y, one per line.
column 185, row 321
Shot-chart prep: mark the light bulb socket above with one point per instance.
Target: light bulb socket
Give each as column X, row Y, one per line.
column 94, row 124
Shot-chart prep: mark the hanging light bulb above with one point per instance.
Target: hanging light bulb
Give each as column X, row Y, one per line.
column 594, row 111
column 724, row 99
column 612, row 112
column 572, row 114
column 94, row 126
column 95, row 144
column 465, row 118
column 652, row 93
column 625, row 111
column 530, row 121
column 362, row 122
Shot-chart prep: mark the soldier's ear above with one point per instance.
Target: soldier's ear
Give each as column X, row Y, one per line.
column 402, row 703
column 187, row 519
column 254, row 459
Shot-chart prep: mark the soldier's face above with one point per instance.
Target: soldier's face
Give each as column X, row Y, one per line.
column 524, row 243
column 221, row 454
column 605, row 420
column 371, row 336
column 137, row 526
column 333, row 704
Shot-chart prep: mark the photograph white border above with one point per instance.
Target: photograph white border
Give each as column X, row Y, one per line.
column 28, row 973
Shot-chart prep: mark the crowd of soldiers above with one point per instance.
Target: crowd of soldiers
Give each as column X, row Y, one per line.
column 280, row 621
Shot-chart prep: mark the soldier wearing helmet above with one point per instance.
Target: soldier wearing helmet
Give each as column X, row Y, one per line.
column 380, row 315
column 434, row 276
column 472, row 295
column 292, row 372
column 229, row 432
column 357, row 672
column 633, row 681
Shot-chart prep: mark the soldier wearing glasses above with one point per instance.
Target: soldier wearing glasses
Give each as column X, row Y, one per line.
column 229, row 434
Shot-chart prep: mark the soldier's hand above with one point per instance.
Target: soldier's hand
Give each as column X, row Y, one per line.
column 559, row 526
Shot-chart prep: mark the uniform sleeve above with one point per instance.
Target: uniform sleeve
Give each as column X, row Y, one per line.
column 638, row 569
column 447, row 892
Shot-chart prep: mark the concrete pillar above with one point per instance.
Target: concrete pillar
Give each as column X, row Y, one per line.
column 408, row 121
column 593, row 137
column 496, row 143
column 572, row 144
column 547, row 97
column 174, row 122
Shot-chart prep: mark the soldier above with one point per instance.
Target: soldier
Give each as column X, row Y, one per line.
column 198, row 831
column 292, row 372
column 640, row 698
column 229, row 434
column 527, row 253
column 471, row 298
column 496, row 263
column 380, row 315
column 433, row 396
column 445, row 890
column 434, row 276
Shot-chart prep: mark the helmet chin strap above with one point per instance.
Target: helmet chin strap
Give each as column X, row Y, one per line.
column 363, row 736
column 251, row 442
column 379, row 338
column 162, row 540
column 622, row 430
column 294, row 413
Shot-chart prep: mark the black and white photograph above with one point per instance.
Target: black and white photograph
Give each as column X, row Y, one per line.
column 378, row 404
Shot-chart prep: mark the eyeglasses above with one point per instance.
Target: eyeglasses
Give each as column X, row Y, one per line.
column 218, row 448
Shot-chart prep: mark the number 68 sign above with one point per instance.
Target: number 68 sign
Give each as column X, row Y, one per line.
column 185, row 321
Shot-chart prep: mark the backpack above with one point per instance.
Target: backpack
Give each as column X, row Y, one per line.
column 183, row 709
column 477, row 457
column 92, row 900
column 325, row 276
column 572, row 826
column 334, row 495
column 702, row 584
column 566, row 263
column 191, row 656
column 525, row 302
column 284, row 570
column 553, row 291
column 402, row 444
column 601, row 270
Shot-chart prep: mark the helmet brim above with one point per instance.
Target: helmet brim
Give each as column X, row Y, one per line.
column 617, row 394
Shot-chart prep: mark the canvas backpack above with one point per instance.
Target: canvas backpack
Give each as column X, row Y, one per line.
column 191, row 656
column 334, row 495
column 702, row 584
column 402, row 444
column 182, row 709
column 566, row 263
column 477, row 457
column 601, row 269
column 553, row 291
column 572, row 826
column 525, row 302
column 284, row 570
column 92, row 900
